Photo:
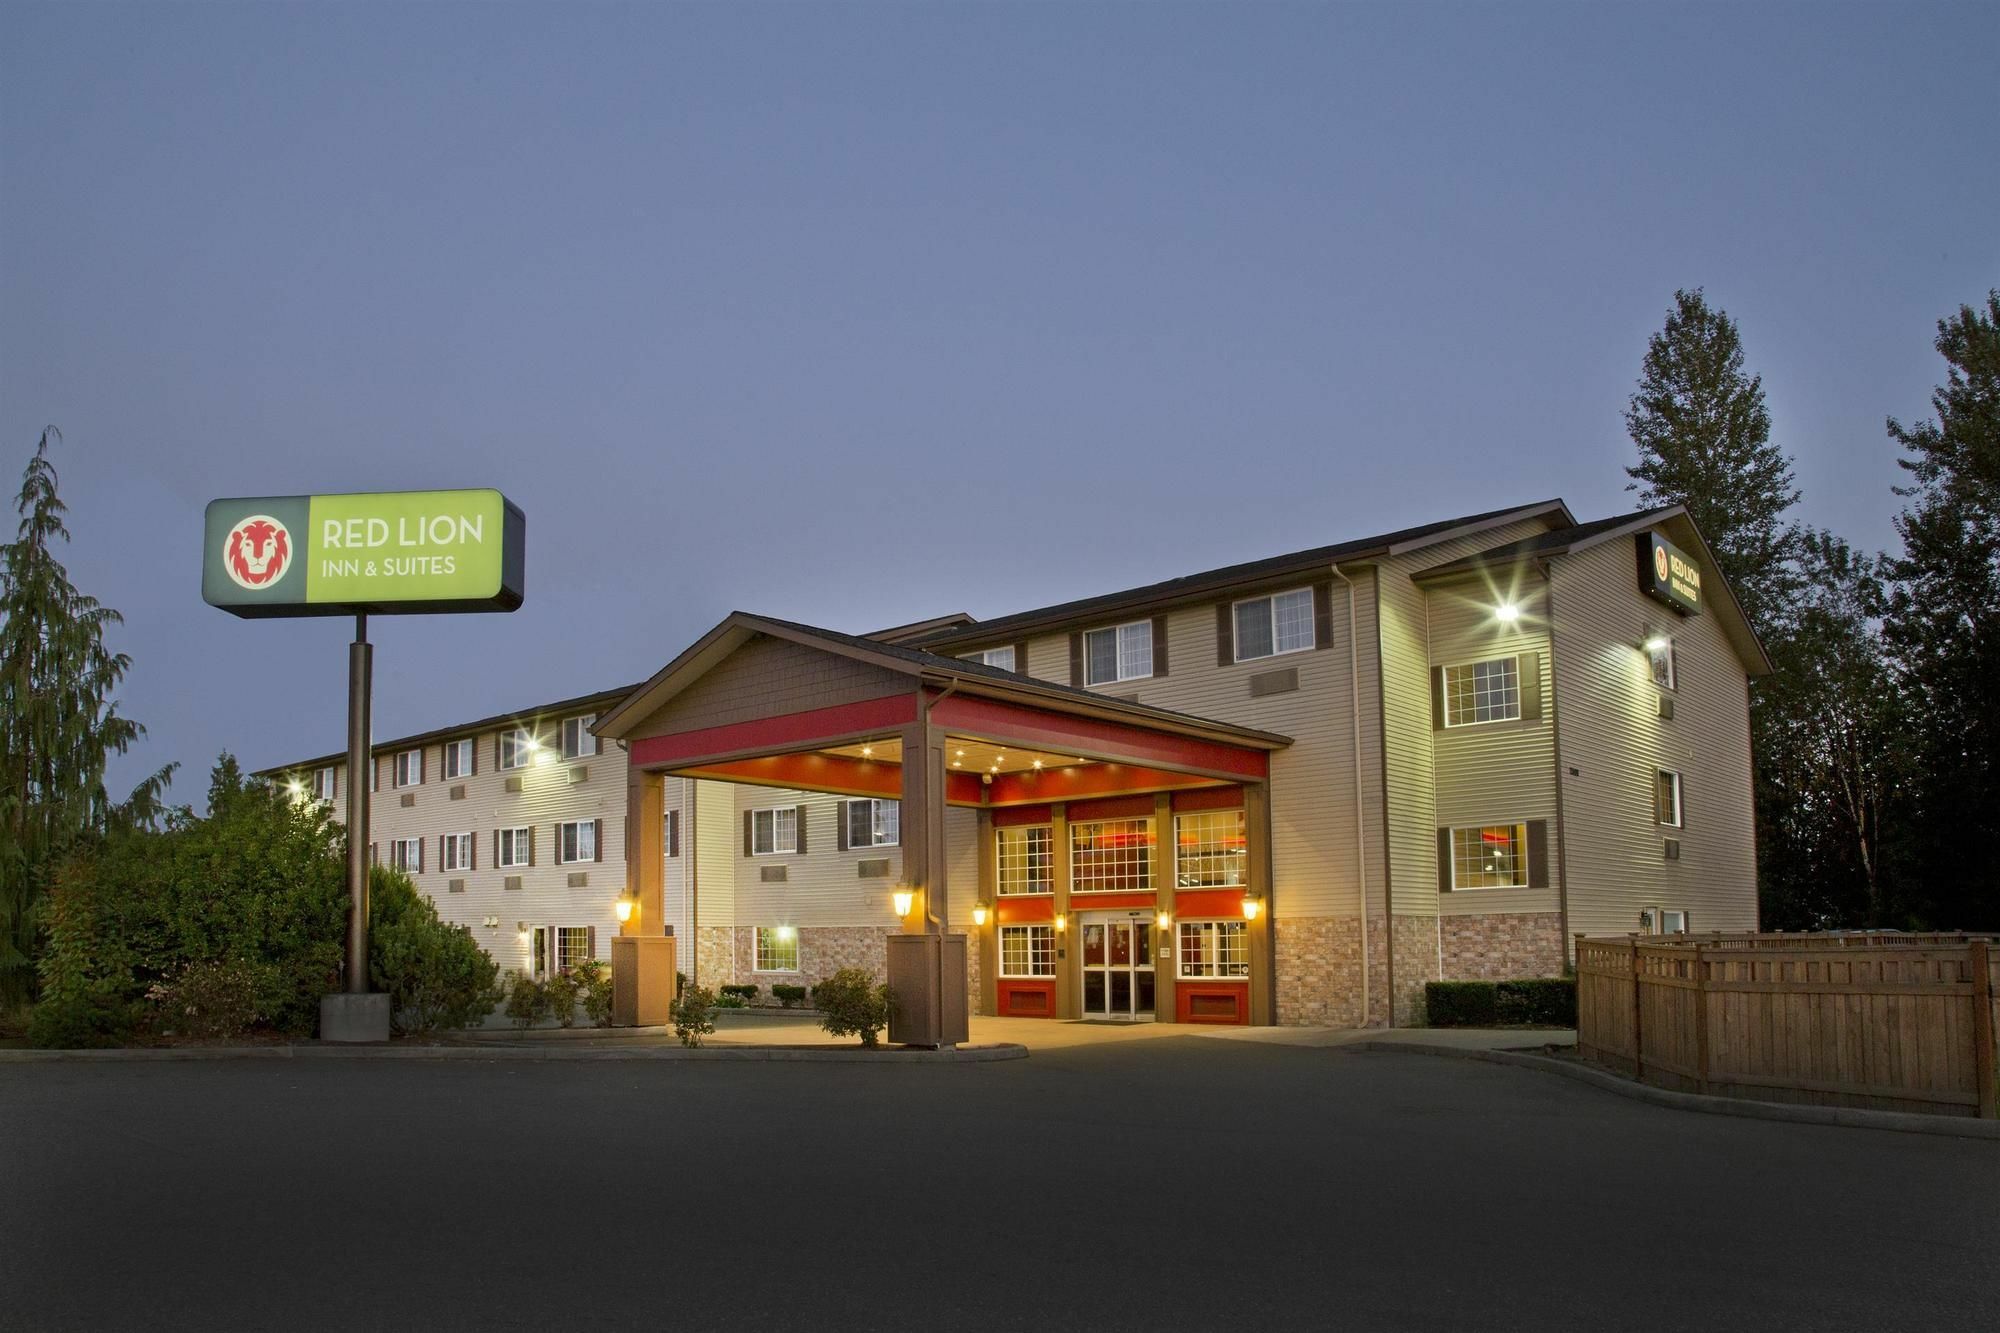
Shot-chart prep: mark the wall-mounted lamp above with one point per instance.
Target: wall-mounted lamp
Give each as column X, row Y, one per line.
column 624, row 907
column 1655, row 643
column 1251, row 906
column 979, row 914
column 1507, row 613
column 1062, row 921
column 902, row 900
column 1165, row 919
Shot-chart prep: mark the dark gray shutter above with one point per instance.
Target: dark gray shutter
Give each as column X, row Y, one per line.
column 1225, row 633
column 473, row 747
column 1021, row 656
column 1437, row 698
column 1444, row 860
column 1530, row 670
column 1538, row 853
column 1323, row 614
column 597, row 838
column 590, row 940
column 840, row 826
column 748, row 815
column 800, row 818
column 496, row 847
column 531, row 844
column 1076, row 658
column 471, row 852
column 441, row 838
column 673, row 833
column 1159, row 645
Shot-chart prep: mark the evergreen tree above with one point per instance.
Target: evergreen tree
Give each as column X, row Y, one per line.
column 1704, row 439
column 58, row 723
column 1944, row 616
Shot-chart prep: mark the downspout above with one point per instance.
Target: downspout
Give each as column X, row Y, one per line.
column 1556, row 744
column 1360, row 824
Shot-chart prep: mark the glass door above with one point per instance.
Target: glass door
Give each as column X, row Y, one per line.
column 1117, row 969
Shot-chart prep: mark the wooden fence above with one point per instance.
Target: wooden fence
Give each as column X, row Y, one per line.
column 1893, row 1022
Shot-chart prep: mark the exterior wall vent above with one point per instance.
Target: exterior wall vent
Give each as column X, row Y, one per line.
column 514, row 783
column 455, row 886
column 457, row 792
column 579, row 879
column 874, row 868
column 1673, row 849
column 1666, row 708
column 581, row 773
column 774, row 874
column 511, row 882
column 409, row 798
column 1274, row 682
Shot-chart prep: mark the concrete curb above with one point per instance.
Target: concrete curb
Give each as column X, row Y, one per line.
column 489, row 1051
column 1845, row 1117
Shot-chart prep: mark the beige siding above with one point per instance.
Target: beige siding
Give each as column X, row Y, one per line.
column 823, row 886
column 1613, row 739
column 766, row 677
column 720, row 847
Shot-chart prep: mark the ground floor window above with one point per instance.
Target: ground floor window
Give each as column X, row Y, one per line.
column 1210, row 850
column 1663, row 921
column 1026, row 859
column 1215, row 949
column 1490, row 856
column 1111, row 855
column 572, row 946
column 777, row 949
column 1027, row 951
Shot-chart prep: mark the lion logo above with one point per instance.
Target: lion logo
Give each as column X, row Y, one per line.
column 257, row 552
column 1661, row 565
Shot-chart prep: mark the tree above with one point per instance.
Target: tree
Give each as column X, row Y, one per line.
column 58, row 723
column 1704, row 440
column 1942, row 620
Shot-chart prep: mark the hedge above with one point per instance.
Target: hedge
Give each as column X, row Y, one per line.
column 1528, row 1002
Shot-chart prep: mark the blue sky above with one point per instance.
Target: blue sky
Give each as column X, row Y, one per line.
column 861, row 314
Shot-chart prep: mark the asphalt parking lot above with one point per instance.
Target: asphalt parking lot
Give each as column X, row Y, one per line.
column 1168, row 1184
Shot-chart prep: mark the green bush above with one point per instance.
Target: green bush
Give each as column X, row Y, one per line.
column 730, row 1002
column 207, row 1000
column 1538, row 1001
column 853, row 1005
column 1460, row 1004
column 791, row 997
column 694, row 1014
column 564, row 990
column 593, row 978
column 436, row 974
column 527, row 1000
column 744, row 991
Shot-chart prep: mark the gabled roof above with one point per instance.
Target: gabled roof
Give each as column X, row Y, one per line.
column 918, row 629
column 1209, row 583
column 1583, row 536
column 739, row 627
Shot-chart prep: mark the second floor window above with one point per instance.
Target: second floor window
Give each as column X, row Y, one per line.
column 407, row 855
column 1111, row 855
column 1025, row 859
column 409, row 768
column 1667, row 798
column 1280, row 623
column 576, row 840
column 1482, row 692
column 457, row 760
column 1211, row 850
column 514, row 847
column 774, row 831
column 577, row 740
column 873, row 823
column 1120, row 652
column 1660, row 656
column 457, row 851
column 1491, row 856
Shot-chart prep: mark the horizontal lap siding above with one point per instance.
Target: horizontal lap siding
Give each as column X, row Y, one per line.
column 822, row 887
column 767, row 678
column 720, row 829
column 1611, row 735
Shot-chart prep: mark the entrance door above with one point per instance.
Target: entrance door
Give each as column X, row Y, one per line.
column 1117, row 968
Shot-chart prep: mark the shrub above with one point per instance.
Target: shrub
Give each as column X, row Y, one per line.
column 1538, row 1001
column 436, row 974
column 729, row 1002
column 791, row 997
column 563, row 989
column 1460, row 1004
column 746, row 992
column 527, row 1000
column 693, row 1014
column 209, row 1000
column 593, row 978
column 853, row 1005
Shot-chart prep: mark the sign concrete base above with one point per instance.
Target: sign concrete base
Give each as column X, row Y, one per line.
column 346, row 1017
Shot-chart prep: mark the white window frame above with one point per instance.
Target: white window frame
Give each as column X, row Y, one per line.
column 769, row 946
column 1215, row 928
column 582, row 936
column 1182, row 855
column 517, row 747
column 324, row 783
column 1667, row 656
column 1118, row 633
column 407, row 768
column 456, row 759
column 1679, row 819
column 757, row 818
column 1041, row 962
column 1524, row 871
column 576, row 830
column 400, row 850
column 1143, row 865
column 1270, row 601
column 1048, row 861
column 577, row 727
column 1653, row 921
column 876, row 808
column 455, row 852
column 517, row 846
column 1513, row 666
column 985, row 657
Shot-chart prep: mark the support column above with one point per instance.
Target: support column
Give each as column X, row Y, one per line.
column 1263, row 934
column 1165, row 967
column 356, row 1013
column 989, row 934
column 923, row 828
column 645, row 851
column 1068, row 986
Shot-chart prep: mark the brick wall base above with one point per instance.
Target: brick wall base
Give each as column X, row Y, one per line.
column 1319, row 971
column 1416, row 960
column 1500, row 946
column 728, row 956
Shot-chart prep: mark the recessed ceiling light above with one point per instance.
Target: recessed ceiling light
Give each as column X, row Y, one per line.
column 867, row 750
column 1038, row 763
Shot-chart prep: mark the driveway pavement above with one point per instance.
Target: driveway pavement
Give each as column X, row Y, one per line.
column 1165, row 1181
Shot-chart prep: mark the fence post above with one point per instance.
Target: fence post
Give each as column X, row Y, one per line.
column 1700, row 1021
column 1638, row 1030
column 1982, row 1028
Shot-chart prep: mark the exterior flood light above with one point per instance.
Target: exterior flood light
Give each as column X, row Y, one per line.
column 1251, row 906
column 1507, row 613
column 979, row 914
column 903, row 899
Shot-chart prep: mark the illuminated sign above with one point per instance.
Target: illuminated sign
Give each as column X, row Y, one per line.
column 1668, row 574
column 385, row 553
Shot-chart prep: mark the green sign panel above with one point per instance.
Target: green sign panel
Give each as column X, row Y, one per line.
column 384, row 553
column 1668, row 574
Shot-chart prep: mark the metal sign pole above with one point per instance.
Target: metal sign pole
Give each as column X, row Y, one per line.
column 360, row 675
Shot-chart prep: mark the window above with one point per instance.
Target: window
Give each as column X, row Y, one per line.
column 1660, row 654
column 515, row 747
column 1211, row 850
column 1280, row 623
column 322, row 787
column 455, row 851
column 1663, row 921
column 407, row 855
column 457, row 760
column 572, row 946
column 1124, row 652
column 577, row 740
column 873, row 823
column 516, row 847
column 995, row 657
column 777, row 949
column 1026, row 858
column 410, row 768
column 1667, row 798
column 1493, row 856
column 1215, row 949
column 576, row 840
column 1111, row 856
column 774, row 831
column 1027, row 951
column 1482, row 692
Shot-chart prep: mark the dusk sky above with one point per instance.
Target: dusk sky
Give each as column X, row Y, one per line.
column 858, row 315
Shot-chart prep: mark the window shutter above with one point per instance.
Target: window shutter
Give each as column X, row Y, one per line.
column 1323, row 614
column 473, row 750
column 374, row 854
column 497, row 758
column 1225, row 633
column 1444, row 860
column 496, row 847
column 840, row 827
column 1530, row 669
column 747, row 815
column 597, row 839
column 1159, row 645
column 673, row 833
column 471, row 852
column 441, row 857
column 420, row 856
column 1021, row 657
column 1538, row 853
column 799, row 822
column 531, row 844
column 1076, row 658
column 1437, row 698
column 590, row 940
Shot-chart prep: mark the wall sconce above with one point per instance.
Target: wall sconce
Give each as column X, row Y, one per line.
column 979, row 911
column 1165, row 919
column 1251, row 906
column 1062, row 922
column 624, row 907
column 1654, row 643
column 903, row 899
